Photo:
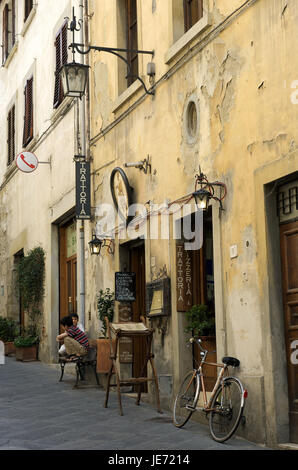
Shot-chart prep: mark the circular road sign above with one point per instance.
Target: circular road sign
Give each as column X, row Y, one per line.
column 26, row 162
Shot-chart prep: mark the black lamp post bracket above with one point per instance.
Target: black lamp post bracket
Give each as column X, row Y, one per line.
column 82, row 49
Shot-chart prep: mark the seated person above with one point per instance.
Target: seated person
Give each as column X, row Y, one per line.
column 75, row 319
column 75, row 340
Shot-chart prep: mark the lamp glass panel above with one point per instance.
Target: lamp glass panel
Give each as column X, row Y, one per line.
column 96, row 249
column 202, row 203
column 74, row 78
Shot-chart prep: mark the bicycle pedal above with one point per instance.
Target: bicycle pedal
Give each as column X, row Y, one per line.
column 190, row 408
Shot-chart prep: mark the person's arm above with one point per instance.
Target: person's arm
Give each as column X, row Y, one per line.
column 62, row 336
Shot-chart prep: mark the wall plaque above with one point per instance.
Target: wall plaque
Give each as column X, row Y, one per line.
column 158, row 298
column 184, row 278
column 125, row 287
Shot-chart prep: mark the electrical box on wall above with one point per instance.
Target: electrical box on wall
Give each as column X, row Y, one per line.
column 233, row 251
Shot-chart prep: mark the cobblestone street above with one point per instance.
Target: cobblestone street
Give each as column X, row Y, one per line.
column 39, row 413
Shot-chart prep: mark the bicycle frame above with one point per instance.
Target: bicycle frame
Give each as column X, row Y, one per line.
column 200, row 378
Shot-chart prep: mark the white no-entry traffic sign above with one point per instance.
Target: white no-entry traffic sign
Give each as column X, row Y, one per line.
column 26, row 162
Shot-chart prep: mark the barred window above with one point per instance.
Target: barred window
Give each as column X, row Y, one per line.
column 28, row 116
column 61, row 59
column 11, row 135
column 193, row 12
column 28, row 8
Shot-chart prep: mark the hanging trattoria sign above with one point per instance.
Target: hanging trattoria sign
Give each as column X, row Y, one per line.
column 83, row 206
column 184, row 278
column 26, row 162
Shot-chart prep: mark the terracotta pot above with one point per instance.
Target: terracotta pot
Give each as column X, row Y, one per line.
column 26, row 353
column 9, row 348
column 103, row 355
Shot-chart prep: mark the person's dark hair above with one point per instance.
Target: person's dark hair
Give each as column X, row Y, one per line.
column 74, row 315
column 66, row 321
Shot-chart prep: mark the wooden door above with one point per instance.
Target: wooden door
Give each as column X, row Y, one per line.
column 289, row 260
column 203, row 293
column 68, row 270
column 137, row 265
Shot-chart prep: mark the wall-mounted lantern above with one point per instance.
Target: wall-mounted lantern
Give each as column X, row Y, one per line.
column 204, row 191
column 74, row 79
column 96, row 244
column 74, row 75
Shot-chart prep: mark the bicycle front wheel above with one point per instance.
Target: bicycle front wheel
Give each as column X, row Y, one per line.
column 226, row 409
column 186, row 397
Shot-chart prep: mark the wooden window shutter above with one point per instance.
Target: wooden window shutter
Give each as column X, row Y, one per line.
column 132, row 39
column 13, row 18
column 11, row 136
column 28, row 8
column 5, row 34
column 28, row 116
column 61, row 59
column 193, row 11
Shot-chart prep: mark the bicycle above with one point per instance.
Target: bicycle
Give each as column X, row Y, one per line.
column 225, row 405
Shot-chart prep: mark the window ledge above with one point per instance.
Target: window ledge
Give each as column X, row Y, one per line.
column 191, row 34
column 28, row 20
column 10, row 171
column 31, row 145
column 11, row 54
column 126, row 95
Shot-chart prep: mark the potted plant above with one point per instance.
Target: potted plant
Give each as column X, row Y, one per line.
column 8, row 332
column 105, row 308
column 201, row 323
column 26, row 346
column 30, row 279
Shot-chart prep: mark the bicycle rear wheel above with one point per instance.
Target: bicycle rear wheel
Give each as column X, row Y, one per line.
column 187, row 396
column 227, row 408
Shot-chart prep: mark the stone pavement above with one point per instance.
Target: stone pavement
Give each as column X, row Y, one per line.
column 39, row 413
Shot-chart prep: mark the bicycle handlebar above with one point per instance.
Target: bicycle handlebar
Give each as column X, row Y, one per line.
column 198, row 341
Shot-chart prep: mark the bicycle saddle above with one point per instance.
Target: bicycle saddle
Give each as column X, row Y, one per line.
column 231, row 361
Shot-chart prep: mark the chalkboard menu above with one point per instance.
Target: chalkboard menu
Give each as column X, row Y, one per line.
column 125, row 287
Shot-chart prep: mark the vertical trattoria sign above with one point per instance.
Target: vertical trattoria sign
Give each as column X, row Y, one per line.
column 83, row 206
column 184, row 278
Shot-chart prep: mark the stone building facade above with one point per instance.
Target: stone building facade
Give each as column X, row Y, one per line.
column 222, row 100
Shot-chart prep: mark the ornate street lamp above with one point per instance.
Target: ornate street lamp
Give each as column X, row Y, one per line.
column 74, row 79
column 204, row 191
column 74, row 75
column 96, row 244
column 202, row 197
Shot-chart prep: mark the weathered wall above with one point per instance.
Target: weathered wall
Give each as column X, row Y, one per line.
column 239, row 71
column 30, row 203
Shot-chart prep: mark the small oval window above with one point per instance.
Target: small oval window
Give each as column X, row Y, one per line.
column 192, row 119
